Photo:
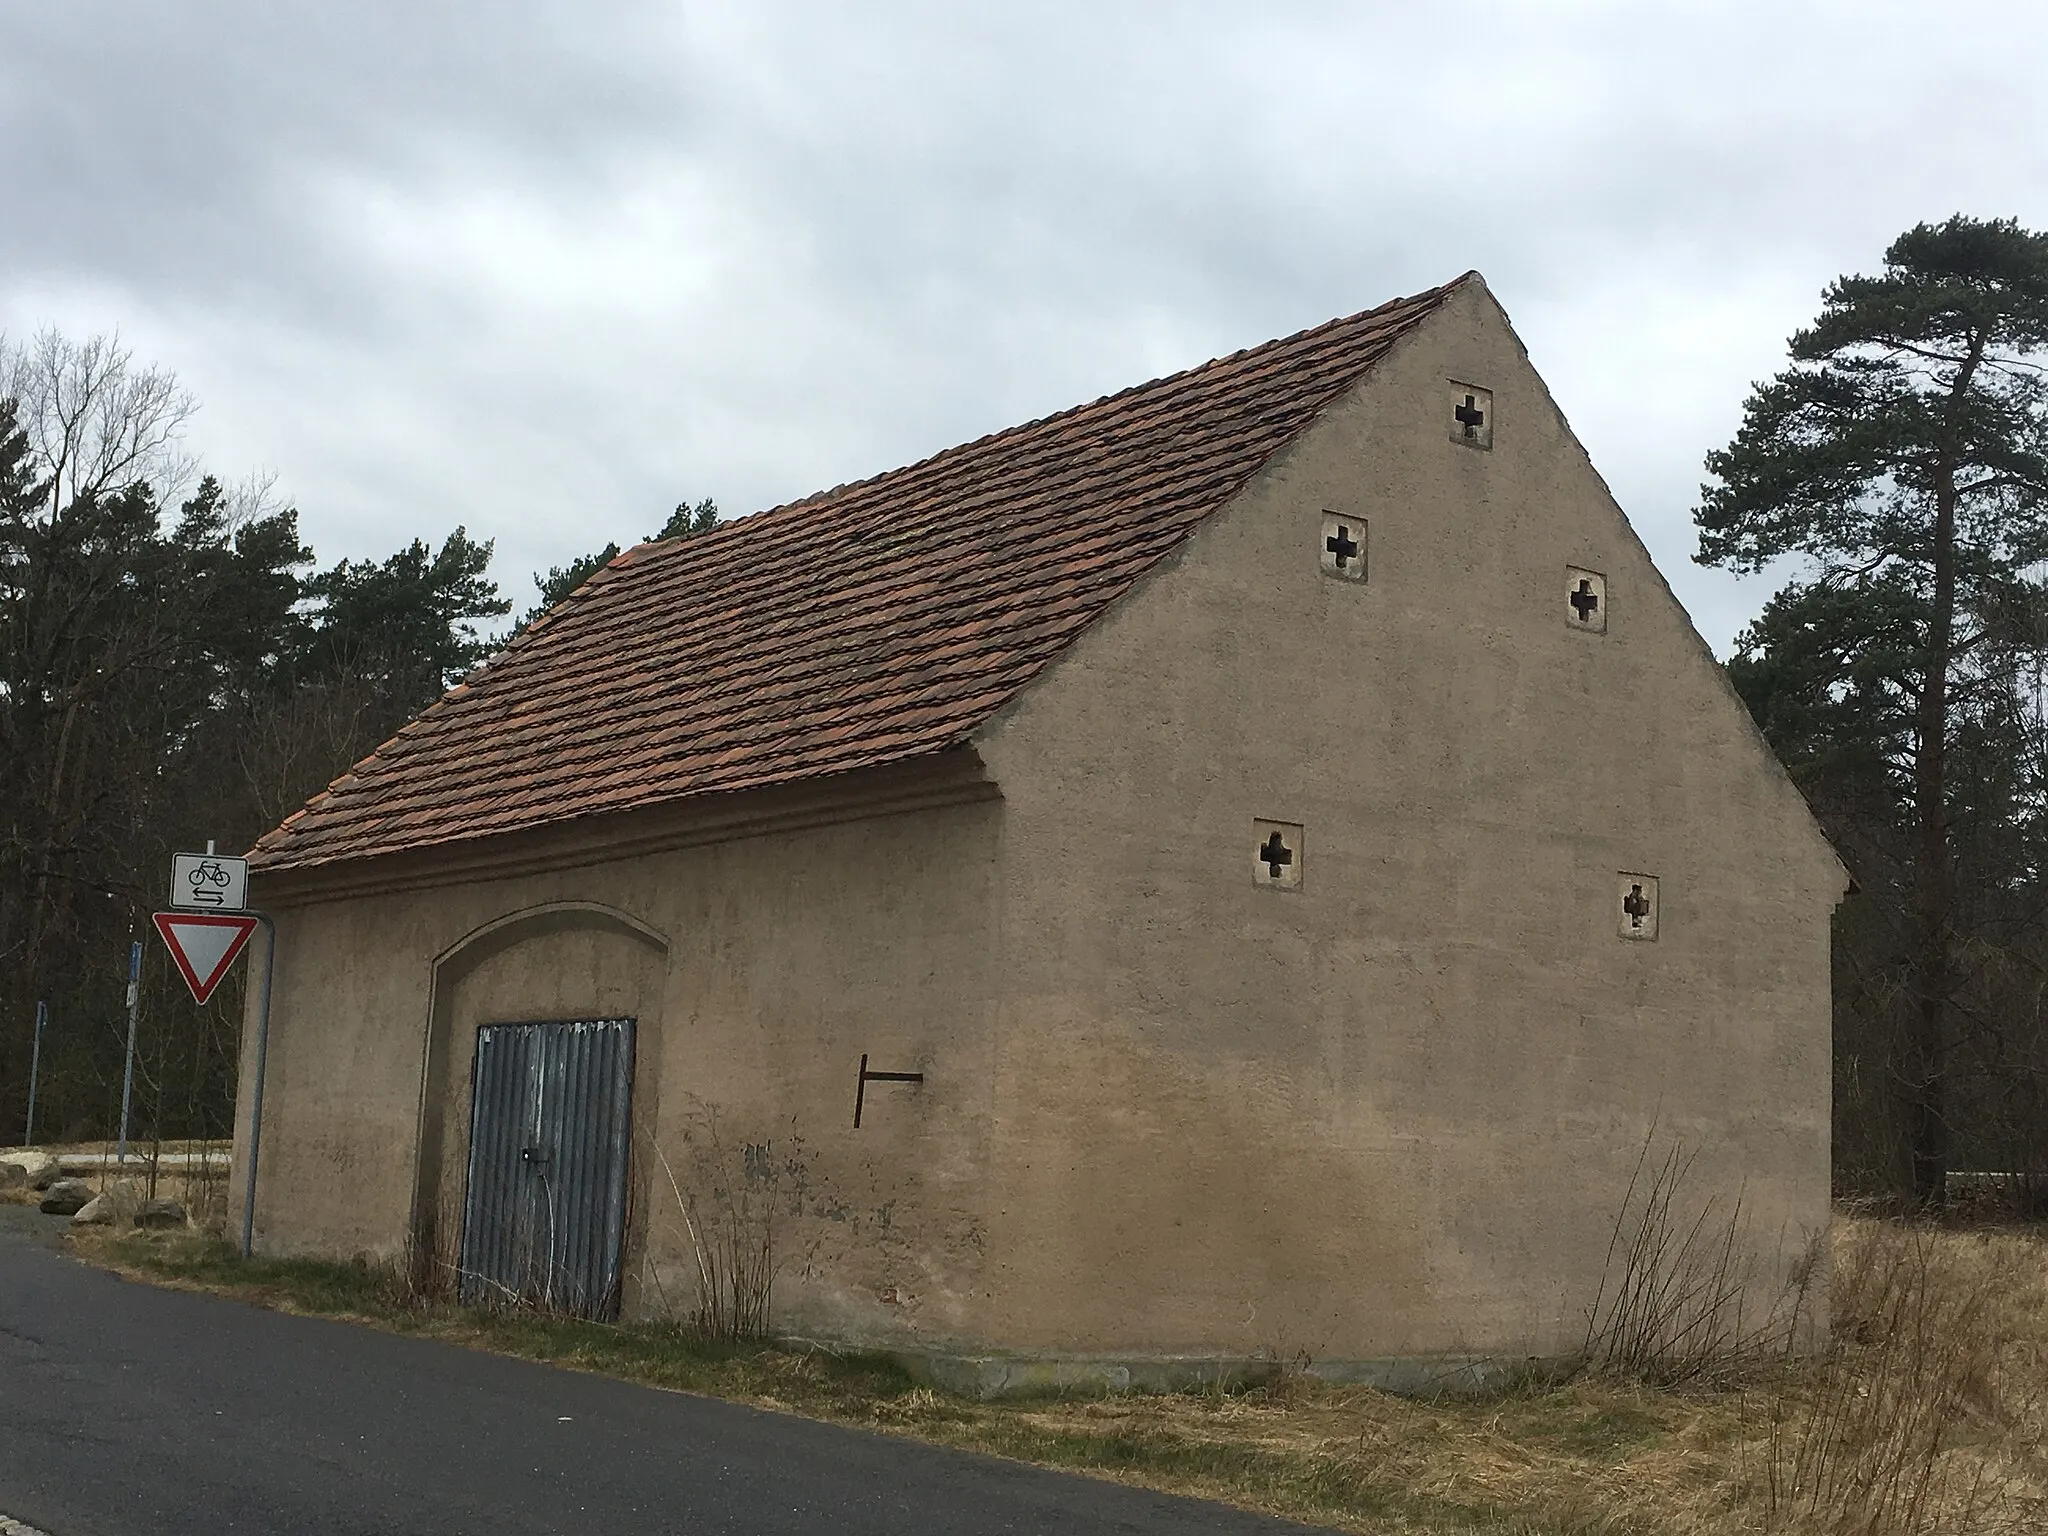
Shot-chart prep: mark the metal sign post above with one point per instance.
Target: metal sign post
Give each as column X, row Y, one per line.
column 35, row 1068
column 128, row 1071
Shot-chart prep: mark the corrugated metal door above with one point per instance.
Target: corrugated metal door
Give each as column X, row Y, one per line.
column 544, row 1218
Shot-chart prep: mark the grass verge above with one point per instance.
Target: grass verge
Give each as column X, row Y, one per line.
column 1601, row 1454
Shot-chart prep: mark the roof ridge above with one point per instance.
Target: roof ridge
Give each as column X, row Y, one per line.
column 1037, row 422
column 664, row 548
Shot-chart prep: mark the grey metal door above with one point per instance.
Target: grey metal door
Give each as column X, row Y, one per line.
column 544, row 1216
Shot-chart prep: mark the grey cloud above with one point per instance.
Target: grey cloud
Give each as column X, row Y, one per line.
column 545, row 269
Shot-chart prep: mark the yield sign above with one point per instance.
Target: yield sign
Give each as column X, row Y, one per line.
column 204, row 944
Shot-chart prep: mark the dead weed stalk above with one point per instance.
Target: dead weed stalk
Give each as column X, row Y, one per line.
column 432, row 1262
column 728, row 1214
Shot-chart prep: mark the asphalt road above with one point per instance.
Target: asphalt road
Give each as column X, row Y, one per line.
column 131, row 1411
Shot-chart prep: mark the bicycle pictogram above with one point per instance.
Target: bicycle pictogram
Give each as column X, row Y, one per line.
column 207, row 883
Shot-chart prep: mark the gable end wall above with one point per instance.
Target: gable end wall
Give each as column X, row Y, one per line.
column 1395, row 1111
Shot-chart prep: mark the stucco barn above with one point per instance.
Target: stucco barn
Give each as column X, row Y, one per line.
column 1239, row 870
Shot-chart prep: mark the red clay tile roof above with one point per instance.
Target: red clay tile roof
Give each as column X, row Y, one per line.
column 865, row 625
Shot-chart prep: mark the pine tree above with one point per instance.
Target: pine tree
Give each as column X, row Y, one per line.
column 1904, row 455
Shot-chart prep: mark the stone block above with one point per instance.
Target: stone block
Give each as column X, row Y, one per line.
column 38, row 1169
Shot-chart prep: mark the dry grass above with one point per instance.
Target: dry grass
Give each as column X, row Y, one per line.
column 1925, row 1418
column 1929, row 1412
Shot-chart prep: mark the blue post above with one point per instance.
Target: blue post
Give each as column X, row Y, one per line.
column 35, row 1067
column 256, row 1096
column 128, row 1072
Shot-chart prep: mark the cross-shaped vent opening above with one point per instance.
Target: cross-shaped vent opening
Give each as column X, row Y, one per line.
column 1471, row 415
column 1638, row 918
column 1342, row 551
column 1585, row 599
column 1276, row 857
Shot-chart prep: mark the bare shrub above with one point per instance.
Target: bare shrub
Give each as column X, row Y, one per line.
column 204, row 1187
column 1925, row 1369
column 1674, row 1299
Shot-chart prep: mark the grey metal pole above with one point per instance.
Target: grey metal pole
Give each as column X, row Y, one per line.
column 128, row 1072
column 256, row 1097
column 35, row 1069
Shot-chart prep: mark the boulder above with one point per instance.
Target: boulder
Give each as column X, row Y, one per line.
column 96, row 1212
column 13, row 1176
column 160, row 1213
column 66, row 1197
column 121, row 1199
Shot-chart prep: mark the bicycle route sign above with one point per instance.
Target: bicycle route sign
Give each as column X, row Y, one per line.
column 206, row 882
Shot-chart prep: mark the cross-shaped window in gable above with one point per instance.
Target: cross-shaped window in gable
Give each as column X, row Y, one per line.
column 1340, row 551
column 1638, row 914
column 1471, row 415
column 1276, row 854
column 1585, row 599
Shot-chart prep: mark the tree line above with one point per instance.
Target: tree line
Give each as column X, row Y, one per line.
column 174, row 666
column 177, row 666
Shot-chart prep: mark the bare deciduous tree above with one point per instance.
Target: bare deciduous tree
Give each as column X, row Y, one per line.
column 95, row 422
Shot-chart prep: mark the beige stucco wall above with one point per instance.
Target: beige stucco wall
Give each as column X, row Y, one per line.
column 1395, row 1110
column 759, row 965
column 1168, row 1112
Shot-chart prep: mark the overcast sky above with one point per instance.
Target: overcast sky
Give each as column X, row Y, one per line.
column 546, row 269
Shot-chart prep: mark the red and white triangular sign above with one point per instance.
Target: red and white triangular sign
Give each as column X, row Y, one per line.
column 204, row 944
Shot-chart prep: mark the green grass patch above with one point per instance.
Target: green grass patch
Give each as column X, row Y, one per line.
column 1603, row 1431
column 653, row 1354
